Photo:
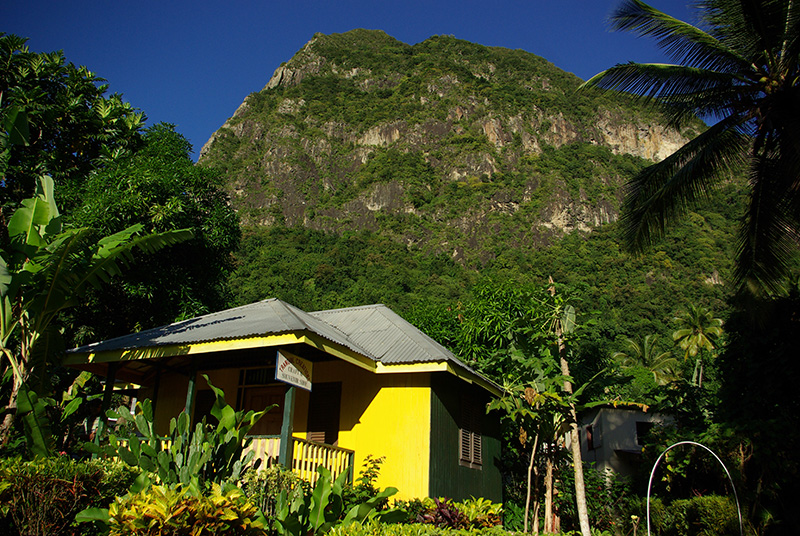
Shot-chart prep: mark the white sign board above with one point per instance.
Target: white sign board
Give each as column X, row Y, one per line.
column 293, row 370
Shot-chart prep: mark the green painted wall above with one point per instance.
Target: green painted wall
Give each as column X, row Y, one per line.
column 447, row 477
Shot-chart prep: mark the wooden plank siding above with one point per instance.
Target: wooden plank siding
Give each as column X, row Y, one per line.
column 448, row 477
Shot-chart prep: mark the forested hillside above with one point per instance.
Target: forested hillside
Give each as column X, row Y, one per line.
column 369, row 170
column 458, row 148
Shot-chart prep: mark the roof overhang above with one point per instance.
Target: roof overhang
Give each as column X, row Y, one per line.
column 155, row 353
column 441, row 366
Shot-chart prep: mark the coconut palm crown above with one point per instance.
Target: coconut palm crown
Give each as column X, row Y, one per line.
column 740, row 72
column 646, row 354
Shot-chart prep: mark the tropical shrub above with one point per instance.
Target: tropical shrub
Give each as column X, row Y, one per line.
column 41, row 497
column 481, row 513
column 183, row 510
column 304, row 514
column 373, row 528
column 364, row 489
column 443, row 513
column 605, row 497
column 263, row 486
column 206, row 454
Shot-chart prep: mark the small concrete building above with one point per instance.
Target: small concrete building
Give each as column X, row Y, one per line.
column 612, row 437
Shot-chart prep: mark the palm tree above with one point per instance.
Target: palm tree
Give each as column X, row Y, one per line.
column 661, row 364
column 741, row 73
column 697, row 330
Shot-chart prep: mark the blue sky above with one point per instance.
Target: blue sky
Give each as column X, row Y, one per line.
column 192, row 63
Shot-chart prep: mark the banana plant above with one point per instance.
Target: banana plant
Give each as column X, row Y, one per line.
column 45, row 269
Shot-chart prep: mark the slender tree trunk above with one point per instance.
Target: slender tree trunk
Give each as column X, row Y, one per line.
column 549, row 522
column 577, row 459
column 536, row 504
column 536, row 495
column 530, row 480
column 580, row 487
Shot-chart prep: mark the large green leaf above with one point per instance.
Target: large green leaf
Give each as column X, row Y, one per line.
column 15, row 124
column 24, row 225
column 34, row 418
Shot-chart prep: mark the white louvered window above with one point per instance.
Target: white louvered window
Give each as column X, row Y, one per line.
column 469, row 433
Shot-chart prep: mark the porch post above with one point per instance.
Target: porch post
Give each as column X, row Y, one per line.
column 287, row 428
column 191, row 390
column 156, row 387
column 108, row 391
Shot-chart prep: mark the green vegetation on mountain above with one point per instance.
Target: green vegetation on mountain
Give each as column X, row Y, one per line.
column 445, row 144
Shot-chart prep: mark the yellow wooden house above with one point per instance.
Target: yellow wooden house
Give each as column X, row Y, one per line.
column 370, row 384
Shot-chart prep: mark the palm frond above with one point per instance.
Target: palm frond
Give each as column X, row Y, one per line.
column 681, row 93
column 681, row 41
column 768, row 237
column 664, row 191
column 105, row 262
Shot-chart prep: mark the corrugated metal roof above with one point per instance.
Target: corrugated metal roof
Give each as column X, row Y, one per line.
column 385, row 334
column 390, row 338
column 374, row 331
column 268, row 317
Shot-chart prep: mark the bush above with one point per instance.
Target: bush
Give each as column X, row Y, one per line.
column 41, row 497
column 444, row 513
column 199, row 455
column 605, row 498
column 379, row 529
column 710, row 515
column 364, row 489
column 181, row 510
column 300, row 513
column 481, row 513
column 263, row 487
column 699, row 516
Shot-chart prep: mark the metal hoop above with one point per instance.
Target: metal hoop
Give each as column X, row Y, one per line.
column 653, row 471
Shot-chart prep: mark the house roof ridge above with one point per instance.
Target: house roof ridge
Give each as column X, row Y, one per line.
column 352, row 308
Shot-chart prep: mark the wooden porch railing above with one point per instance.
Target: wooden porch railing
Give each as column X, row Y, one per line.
column 266, row 447
column 306, row 456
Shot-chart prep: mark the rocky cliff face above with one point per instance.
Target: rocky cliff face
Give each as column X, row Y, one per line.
column 445, row 144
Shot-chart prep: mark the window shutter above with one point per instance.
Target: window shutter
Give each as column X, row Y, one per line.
column 469, row 433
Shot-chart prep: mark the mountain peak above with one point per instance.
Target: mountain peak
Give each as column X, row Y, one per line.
column 441, row 143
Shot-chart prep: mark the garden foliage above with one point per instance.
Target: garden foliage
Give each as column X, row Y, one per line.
column 303, row 514
column 42, row 497
column 206, row 454
column 179, row 510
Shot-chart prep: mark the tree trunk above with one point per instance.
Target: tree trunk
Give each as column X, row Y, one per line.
column 580, row 487
column 577, row 459
column 549, row 522
column 530, row 480
column 11, row 411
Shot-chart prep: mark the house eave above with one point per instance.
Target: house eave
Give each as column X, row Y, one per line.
column 440, row 366
column 211, row 347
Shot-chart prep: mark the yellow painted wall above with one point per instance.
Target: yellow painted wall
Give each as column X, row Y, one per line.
column 384, row 415
column 381, row 415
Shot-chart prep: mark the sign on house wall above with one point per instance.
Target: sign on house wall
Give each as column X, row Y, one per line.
column 293, row 370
